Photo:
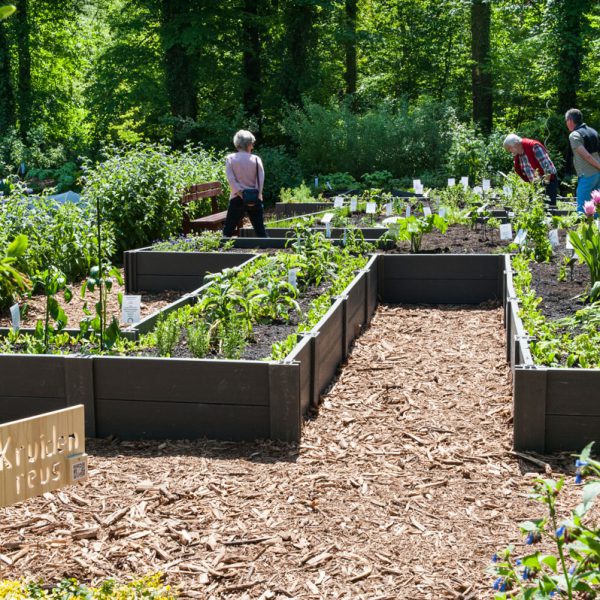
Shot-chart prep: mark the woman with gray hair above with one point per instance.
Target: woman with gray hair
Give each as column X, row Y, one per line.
column 246, row 177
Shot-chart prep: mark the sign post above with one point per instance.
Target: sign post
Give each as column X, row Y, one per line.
column 41, row 454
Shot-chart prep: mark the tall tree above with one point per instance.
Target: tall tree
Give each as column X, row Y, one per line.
column 24, row 87
column 350, row 72
column 481, row 78
column 251, row 61
column 7, row 98
column 180, row 73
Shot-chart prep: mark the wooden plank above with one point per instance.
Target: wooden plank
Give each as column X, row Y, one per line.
column 32, row 376
column 529, row 409
column 133, row 420
column 574, row 392
column 571, row 432
column 188, row 263
column 439, row 291
column 182, row 380
column 284, row 408
column 445, row 266
column 36, row 453
column 20, row 407
column 79, row 388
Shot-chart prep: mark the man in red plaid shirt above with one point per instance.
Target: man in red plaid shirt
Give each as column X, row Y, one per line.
column 532, row 162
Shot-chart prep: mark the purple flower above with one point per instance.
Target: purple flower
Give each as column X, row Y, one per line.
column 589, row 208
column 596, row 197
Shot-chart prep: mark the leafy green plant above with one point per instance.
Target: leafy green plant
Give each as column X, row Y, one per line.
column 586, row 243
column 198, row 336
column 274, row 300
column 573, row 569
column 413, row 228
column 302, row 193
column 231, row 340
column 167, row 332
column 207, row 241
column 12, row 281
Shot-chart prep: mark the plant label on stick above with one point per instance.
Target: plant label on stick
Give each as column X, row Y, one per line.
column 451, row 182
column 486, row 185
column 15, row 317
column 426, row 211
column 353, row 204
column 389, row 209
column 371, row 208
column 338, row 202
column 464, row 181
column 326, row 218
column 416, row 184
column 328, row 229
column 520, row 237
column 553, row 237
column 131, row 309
column 442, row 211
column 408, row 210
column 506, row 231
column 568, row 244
column 293, row 278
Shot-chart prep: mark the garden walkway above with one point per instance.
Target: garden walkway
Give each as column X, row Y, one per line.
column 403, row 486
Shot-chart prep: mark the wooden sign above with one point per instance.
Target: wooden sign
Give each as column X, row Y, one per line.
column 41, row 454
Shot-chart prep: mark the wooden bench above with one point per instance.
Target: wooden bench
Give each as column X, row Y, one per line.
column 199, row 191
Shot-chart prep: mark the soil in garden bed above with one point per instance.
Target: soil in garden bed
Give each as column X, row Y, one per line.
column 36, row 305
column 402, row 487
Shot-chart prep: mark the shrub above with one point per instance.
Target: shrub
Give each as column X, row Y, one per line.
column 139, row 188
column 281, row 171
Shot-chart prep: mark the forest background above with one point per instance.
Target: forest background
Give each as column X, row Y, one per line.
column 418, row 88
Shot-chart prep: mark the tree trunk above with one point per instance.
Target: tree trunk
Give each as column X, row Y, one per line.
column 299, row 25
column 25, row 90
column 180, row 74
column 350, row 74
column 481, row 17
column 251, row 62
column 7, row 96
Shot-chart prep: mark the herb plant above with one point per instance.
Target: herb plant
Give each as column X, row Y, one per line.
column 12, row 281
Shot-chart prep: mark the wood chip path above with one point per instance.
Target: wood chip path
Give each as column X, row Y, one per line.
column 403, row 486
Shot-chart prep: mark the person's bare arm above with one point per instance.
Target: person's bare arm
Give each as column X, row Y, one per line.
column 587, row 156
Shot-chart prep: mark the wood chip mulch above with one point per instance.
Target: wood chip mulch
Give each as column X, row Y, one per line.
column 404, row 485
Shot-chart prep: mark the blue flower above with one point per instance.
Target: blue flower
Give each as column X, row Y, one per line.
column 518, row 562
column 561, row 531
column 500, row 584
column 527, row 574
column 495, row 558
column 572, row 570
column 581, row 463
column 578, row 477
column 530, row 538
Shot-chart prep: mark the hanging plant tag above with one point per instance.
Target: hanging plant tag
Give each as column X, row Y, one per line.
column 371, row 208
column 506, row 231
column 15, row 317
column 338, row 202
column 131, row 309
column 326, row 218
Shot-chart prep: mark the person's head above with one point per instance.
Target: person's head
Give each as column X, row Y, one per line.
column 244, row 140
column 512, row 143
column 573, row 118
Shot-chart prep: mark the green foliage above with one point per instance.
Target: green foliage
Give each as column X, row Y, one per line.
column 167, row 334
column 207, row 241
column 140, row 188
column 342, row 182
column 414, row 227
column 572, row 569
column 198, row 335
column 12, row 281
column 586, row 243
column 302, row 193
column 281, row 171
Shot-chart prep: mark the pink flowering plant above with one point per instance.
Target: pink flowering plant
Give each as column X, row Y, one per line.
column 573, row 569
column 586, row 243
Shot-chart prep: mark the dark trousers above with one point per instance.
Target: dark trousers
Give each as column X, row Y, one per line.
column 551, row 189
column 235, row 213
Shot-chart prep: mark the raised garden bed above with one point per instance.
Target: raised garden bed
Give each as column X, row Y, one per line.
column 555, row 409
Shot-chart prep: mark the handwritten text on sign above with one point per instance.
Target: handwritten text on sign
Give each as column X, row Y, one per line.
column 41, row 454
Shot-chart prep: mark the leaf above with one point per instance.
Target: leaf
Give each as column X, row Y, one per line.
column 590, row 491
column 551, row 561
column 6, row 11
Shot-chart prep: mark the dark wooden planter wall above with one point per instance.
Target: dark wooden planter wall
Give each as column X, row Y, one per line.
column 554, row 409
column 369, row 233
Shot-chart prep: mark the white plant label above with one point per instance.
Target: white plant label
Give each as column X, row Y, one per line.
column 371, row 208
column 464, row 181
column 451, row 182
column 131, row 309
column 345, row 236
column 353, row 204
column 511, row 214
column 478, row 190
column 15, row 317
column 486, row 185
column 426, row 211
column 389, row 209
column 442, row 211
column 316, row 182
column 506, row 231
column 416, row 184
column 568, row 244
column 408, row 210
column 326, row 218
column 338, row 202
column 553, row 237
column 520, row 237
column 293, row 278
column 328, row 229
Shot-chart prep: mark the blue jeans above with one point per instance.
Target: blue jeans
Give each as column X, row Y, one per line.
column 235, row 213
column 585, row 187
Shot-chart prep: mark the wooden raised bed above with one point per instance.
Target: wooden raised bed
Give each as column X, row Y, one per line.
column 284, row 210
column 555, row 409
